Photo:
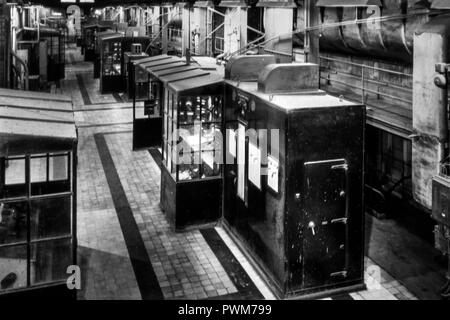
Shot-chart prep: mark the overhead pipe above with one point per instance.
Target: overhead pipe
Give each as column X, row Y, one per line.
column 339, row 24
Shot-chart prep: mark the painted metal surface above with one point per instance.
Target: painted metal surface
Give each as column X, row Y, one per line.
column 392, row 40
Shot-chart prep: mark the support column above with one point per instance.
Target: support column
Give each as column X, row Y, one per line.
column 186, row 25
column 4, row 45
column 431, row 46
column 235, row 29
column 164, row 30
column 279, row 21
column 198, row 30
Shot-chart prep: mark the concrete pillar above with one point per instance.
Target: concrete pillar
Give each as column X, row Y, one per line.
column 429, row 107
column 198, row 31
column 186, row 24
column 235, row 29
column 279, row 21
column 155, row 21
column 167, row 15
column 4, row 45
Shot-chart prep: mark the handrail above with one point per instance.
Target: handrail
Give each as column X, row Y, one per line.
column 366, row 66
column 364, row 80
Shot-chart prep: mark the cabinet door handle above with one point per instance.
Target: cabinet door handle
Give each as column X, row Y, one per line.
column 339, row 274
column 340, row 220
column 343, row 166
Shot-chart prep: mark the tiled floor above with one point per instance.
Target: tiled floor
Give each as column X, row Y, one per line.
column 184, row 265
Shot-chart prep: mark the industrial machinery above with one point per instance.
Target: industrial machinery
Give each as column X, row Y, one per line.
column 293, row 179
column 191, row 173
column 38, row 150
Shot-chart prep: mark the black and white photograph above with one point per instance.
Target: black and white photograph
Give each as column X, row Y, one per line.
column 224, row 158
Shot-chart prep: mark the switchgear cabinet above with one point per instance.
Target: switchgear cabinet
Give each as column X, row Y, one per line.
column 293, row 179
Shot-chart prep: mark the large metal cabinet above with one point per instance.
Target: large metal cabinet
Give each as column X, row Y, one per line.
column 293, row 179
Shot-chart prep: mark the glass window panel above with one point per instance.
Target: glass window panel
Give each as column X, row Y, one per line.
column 190, row 137
column 13, row 267
column 38, row 169
column 188, row 166
column 13, row 222
column 50, row 259
column 50, row 217
column 211, row 137
column 14, row 171
column 210, row 166
column 13, row 176
column 58, row 168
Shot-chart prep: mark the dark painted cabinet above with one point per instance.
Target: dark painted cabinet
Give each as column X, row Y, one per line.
column 293, row 179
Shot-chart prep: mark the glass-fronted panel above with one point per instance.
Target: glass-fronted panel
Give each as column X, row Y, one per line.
column 49, row 174
column 13, row 222
column 50, row 217
column 12, row 177
column 199, row 140
column 50, row 259
column 36, row 223
column 111, row 58
column 13, row 267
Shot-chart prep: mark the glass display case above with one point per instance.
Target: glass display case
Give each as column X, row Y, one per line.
column 148, row 91
column 129, row 59
column 97, row 59
column 191, row 174
column 294, row 159
column 37, row 194
column 89, row 40
column 111, row 76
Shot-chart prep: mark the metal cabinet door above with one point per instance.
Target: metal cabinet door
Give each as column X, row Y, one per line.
column 325, row 204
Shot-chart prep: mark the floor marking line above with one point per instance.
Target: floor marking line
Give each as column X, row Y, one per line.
column 247, row 290
column 83, row 90
column 145, row 275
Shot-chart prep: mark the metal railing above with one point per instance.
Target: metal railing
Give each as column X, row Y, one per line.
column 219, row 44
column 366, row 84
